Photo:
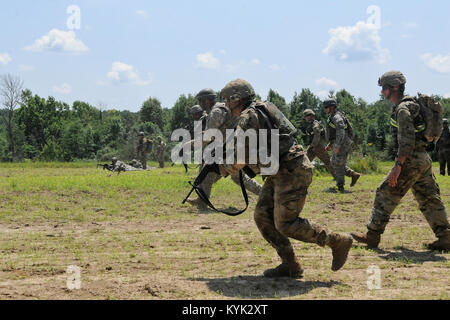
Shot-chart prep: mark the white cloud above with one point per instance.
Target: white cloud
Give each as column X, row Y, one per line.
column 63, row 88
column 275, row 67
column 255, row 61
column 323, row 94
column 447, row 95
column 325, row 82
column 125, row 73
column 357, row 43
column 142, row 13
column 5, row 58
column 207, row 61
column 58, row 40
column 24, row 68
column 439, row 63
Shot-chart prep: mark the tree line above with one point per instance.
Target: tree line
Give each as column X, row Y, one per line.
column 44, row 129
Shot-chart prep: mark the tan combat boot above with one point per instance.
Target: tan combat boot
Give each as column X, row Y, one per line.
column 340, row 245
column 290, row 270
column 355, row 178
column 441, row 244
column 371, row 238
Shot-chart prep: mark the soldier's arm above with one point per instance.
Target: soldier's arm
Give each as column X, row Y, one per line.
column 340, row 130
column 216, row 118
column 316, row 137
column 406, row 136
column 247, row 120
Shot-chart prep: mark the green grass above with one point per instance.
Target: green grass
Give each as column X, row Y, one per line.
column 133, row 238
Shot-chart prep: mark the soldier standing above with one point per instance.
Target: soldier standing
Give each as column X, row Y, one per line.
column 339, row 131
column 315, row 140
column 283, row 194
column 160, row 148
column 412, row 170
column 219, row 117
column 443, row 149
column 144, row 147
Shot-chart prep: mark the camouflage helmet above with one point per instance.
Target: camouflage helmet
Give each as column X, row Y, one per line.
column 206, row 93
column 133, row 161
column 329, row 103
column 392, row 78
column 238, row 89
column 141, row 133
column 159, row 137
column 114, row 159
column 445, row 120
column 196, row 109
column 308, row 112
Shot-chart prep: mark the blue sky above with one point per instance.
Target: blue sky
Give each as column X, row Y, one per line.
column 125, row 52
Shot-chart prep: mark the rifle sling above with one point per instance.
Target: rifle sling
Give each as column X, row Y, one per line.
column 201, row 194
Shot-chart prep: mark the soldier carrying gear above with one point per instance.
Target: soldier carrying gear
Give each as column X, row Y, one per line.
column 340, row 135
column 160, row 148
column 219, row 117
column 316, row 140
column 443, row 149
column 283, row 194
column 143, row 148
column 412, row 170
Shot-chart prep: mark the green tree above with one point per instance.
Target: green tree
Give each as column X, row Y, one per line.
column 181, row 116
column 151, row 111
column 279, row 101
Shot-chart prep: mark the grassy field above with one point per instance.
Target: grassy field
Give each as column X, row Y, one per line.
column 132, row 239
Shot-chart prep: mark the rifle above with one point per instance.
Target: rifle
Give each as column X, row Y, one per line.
column 207, row 168
column 105, row 166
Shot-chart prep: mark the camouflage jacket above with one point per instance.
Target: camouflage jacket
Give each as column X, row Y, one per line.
column 444, row 141
column 315, row 134
column 221, row 118
column 159, row 148
column 337, row 128
column 251, row 119
column 144, row 145
column 405, row 121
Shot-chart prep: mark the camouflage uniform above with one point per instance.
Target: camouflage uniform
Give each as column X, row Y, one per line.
column 160, row 148
column 316, row 143
column 144, row 146
column 282, row 199
column 119, row 166
column 416, row 174
column 339, row 138
column 220, row 118
column 443, row 149
column 136, row 164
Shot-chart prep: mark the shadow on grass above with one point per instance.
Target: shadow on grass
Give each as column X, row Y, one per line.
column 408, row 256
column 262, row 287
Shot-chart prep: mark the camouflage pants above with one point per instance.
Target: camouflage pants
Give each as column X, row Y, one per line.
column 281, row 200
column 444, row 161
column 416, row 174
column 161, row 161
column 143, row 159
column 323, row 155
column 339, row 163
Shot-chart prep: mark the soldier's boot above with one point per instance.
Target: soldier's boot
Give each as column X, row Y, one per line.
column 371, row 238
column 291, row 269
column 355, row 177
column 441, row 244
column 341, row 189
column 340, row 245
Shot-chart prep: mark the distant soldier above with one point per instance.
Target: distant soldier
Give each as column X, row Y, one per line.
column 219, row 117
column 443, row 149
column 144, row 146
column 316, row 141
column 136, row 164
column 117, row 165
column 412, row 170
column 339, row 129
column 160, row 148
